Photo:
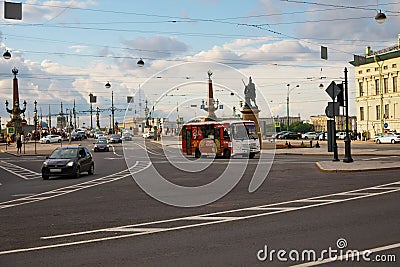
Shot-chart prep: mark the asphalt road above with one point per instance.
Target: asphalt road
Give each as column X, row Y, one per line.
column 108, row 220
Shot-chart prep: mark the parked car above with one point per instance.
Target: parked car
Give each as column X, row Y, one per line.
column 341, row 135
column 149, row 134
column 290, row 135
column 126, row 137
column 51, row 138
column 278, row 135
column 388, row 139
column 115, row 138
column 309, row 135
column 68, row 161
column 101, row 145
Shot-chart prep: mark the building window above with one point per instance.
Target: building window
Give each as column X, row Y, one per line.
column 394, row 66
column 360, row 72
column 378, row 112
column 376, row 68
column 394, row 80
column 361, row 113
column 360, row 88
column 385, row 85
column 377, row 87
column 386, row 114
column 366, row 87
column 368, row 70
column 385, row 67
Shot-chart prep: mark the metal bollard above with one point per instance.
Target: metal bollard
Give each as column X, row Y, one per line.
column 310, row 143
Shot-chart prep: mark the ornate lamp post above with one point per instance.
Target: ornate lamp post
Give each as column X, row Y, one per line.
column 108, row 86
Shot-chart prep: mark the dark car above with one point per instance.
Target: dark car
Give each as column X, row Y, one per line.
column 278, row 135
column 101, row 145
column 76, row 137
column 68, row 161
column 115, row 138
column 290, row 135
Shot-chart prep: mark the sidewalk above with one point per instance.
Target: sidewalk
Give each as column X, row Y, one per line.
column 357, row 149
column 28, row 149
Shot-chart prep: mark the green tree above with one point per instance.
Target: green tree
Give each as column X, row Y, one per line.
column 300, row 127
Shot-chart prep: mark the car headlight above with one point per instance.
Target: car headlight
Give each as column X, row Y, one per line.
column 44, row 164
column 70, row 164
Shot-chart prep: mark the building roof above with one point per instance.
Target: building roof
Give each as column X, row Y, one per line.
column 388, row 53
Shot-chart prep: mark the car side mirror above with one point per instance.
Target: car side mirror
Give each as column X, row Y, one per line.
column 47, row 157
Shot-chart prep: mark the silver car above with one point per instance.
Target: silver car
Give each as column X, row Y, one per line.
column 388, row 139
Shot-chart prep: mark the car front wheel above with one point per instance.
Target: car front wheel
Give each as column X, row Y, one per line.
column 78, row 172
column 91, row 170
column 45, row 177
column 393, row 141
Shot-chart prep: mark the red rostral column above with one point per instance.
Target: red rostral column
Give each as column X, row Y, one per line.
column 16, row 120
column 211, row 103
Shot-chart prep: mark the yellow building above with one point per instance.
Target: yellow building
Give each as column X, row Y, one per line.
column 320, row 123
column 377, row 90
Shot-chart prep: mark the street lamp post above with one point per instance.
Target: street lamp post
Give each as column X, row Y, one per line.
column 35, row 122
column 97, row 118
column 108, row 86
column 347, row 141
column 376, row 58
column 287, row 104
column 91, row 97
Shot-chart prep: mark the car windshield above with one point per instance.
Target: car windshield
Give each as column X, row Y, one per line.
column 64, row 153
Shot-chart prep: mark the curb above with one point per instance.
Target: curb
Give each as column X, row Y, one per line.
column 355, row 170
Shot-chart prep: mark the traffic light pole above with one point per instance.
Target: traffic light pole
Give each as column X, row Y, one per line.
column 347, row 141
column 335, row 147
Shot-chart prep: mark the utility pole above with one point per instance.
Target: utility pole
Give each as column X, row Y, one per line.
column 347, row 141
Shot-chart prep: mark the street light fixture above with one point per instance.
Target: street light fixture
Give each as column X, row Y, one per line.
column 108, row 86
column 287, row 104
column 140, row 62
column 7, row 55
column 380, row 17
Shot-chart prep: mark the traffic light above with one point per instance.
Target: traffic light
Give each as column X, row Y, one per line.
column 340, row 96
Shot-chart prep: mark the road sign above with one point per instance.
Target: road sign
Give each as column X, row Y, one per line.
column 332, row 109
column 333, row 90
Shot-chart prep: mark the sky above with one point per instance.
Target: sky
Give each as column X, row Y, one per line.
column 65, row 50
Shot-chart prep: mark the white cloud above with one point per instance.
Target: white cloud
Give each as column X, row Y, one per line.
column 156, row 47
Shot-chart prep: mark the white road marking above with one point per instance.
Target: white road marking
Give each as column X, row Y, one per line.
column 208, row 219
column 385, row 157
column 19, row 171
column 348, row 256
column 139, row 166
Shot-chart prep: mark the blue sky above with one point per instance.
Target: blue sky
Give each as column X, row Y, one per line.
column 68, row 49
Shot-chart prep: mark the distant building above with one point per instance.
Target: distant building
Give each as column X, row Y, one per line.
column 320, row 123
column 377, row 90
